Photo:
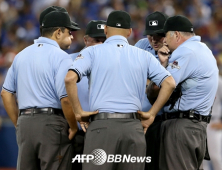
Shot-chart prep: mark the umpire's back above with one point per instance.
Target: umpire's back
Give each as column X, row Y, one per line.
column 117, row 71
column 37, row 81
column 122, row 74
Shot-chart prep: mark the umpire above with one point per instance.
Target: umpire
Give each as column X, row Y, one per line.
column 36, row 81
column 154, row 41
column 117, row 75
column 194, row 68
column 94, row 35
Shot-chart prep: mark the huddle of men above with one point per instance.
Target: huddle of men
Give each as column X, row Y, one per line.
column 106, row 88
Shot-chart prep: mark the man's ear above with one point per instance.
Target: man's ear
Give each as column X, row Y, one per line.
column 105, row 30
column 178, row 36
column 57, row 33
column 130, row 32
column 85, row 40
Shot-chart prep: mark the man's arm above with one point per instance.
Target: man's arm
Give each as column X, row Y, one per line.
column 10, row 104
column 71, row 89
column 149, row 91
column 70, row 116
column 61, row 92
column 167, row 87
column 152, row 92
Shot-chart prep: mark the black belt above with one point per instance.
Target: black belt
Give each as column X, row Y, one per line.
column 47, row 110
column 104, row 115
column 190, row 114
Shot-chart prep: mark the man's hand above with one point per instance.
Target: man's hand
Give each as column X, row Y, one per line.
column 10, row 104
column 164, row 54
column 84, row 125
column 83, row 118
column 146, row 119
column 71, row 88
column 72, row 133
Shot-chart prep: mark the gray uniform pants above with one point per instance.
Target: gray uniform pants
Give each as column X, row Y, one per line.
column 116, row 136
column 183, row 144
column 43, row 143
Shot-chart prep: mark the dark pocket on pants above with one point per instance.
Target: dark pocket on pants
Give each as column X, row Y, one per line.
column 56, row 134
column 99, row 129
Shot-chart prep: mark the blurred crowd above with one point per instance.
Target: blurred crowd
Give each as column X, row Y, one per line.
column 19, row 24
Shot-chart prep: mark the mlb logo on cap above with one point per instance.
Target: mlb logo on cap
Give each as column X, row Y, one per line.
column 118, row 24
column 95, row 28
column 100, row 26
column 119, row 19
column 153, row 23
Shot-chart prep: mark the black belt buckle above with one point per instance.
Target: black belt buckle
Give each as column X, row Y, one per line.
column 51, row 111
column 191, row 114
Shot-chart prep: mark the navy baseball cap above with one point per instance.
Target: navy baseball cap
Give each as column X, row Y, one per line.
column 178, row 23
column 96, row 28
column 119, row 19
column 155, row 23
column 57, row 19
column 51, row 9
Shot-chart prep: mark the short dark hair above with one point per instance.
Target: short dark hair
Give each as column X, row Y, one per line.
column 47, row 32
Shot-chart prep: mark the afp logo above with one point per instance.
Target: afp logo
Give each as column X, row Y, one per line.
column 98, row 157
column 100, row 26
column 153, row 23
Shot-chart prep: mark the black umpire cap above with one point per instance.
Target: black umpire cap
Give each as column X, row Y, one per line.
column 155, row 23
column 119, row 19
column 54, row 8
column 96, row 28
column 178, row 23
column 57, row 19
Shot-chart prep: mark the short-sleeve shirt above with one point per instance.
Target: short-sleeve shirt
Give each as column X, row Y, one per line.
column 83, row 89
column 117, row 74
column 37, row 75
column 194, row 64
column 145, row 45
